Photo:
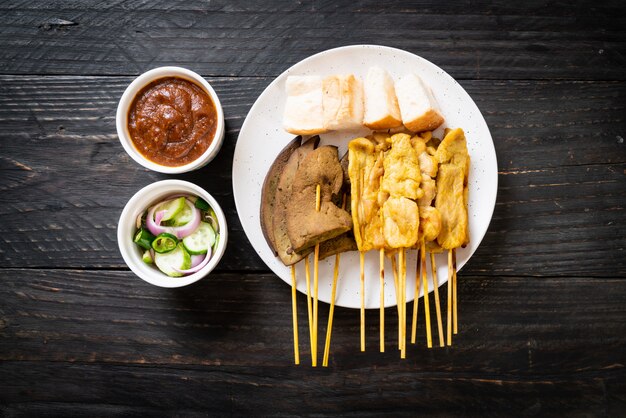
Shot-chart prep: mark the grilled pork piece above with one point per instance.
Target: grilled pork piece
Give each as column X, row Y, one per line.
column 452, row 189
column 283, row 196
column 268, row 193
column 306, row 226
column 366, row 170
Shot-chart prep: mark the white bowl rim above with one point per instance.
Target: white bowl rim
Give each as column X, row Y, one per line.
column 138, row 203
column 121, row 118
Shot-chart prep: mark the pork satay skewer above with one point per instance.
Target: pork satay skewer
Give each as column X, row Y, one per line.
column 429, row 228
column 296, row 350
column 365, row 170
column 452, row 190
column 401, row 181
column 433, row 267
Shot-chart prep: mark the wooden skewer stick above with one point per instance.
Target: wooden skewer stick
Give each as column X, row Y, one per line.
column 454, row 299
column 433, row 267
column 450, row 275
column 309, row 309
column 362, row 262
column 361, row 188
column 296, row 350
column 333, row 295
column 316, row 257
column 331, row 313
column 418, row 288
column 429, row 337
column 402, row 274
column 382, row 300
column 394, row 267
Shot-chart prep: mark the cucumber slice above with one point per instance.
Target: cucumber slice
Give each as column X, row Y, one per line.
column 167, row 262
column 181, row 217
column 147, row 257
column 201, row 239
column 173, row 208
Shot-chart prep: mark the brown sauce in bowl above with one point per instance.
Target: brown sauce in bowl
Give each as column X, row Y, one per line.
column 172, row 121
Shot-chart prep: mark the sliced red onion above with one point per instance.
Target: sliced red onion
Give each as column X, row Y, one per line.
column 158, row 217
column 199, row 266
column 197, row 259
column 155, row 228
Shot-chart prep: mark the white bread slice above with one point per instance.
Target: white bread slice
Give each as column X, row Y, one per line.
column 343, row 102
column 419, row 108
column 381, row 104
column 304, row 113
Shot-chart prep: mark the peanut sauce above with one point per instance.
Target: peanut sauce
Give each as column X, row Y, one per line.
column 172, row 121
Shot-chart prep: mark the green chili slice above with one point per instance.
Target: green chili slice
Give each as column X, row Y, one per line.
column 144, row 238
column 164, row 243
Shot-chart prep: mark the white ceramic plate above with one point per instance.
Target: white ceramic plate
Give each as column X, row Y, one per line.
column 262, row 138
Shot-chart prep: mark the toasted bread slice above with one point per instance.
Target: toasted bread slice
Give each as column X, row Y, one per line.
column 343, row 102
column 381, row 104
column 304, row 113
column 418, row 107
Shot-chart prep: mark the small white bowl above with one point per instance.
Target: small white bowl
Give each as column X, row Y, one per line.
column 121, row 119
column 126, row 229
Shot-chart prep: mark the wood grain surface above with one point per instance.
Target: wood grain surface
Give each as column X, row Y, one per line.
column 477, row 39
column 542, row 303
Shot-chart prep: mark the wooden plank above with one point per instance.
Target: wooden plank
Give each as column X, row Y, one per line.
column 511, row 326
column 469, row 40
column 65, row 177
column 479, row 7
column 54, row 389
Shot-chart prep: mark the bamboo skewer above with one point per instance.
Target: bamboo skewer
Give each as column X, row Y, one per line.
column 433, row 267
column 382, row 299
column 361, row 188
column 402, row 276
column 333, row 295
column 316, row 257
column 429, row 337
column 296, row 350
column 309, row 309
column 331, row 312
column 394, row 267
column 315, row 299
column 362, row 262
column 418, row 288
column 454, row 299
column 450, row 278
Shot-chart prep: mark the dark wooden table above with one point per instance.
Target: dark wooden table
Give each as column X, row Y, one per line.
column 542, row 302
